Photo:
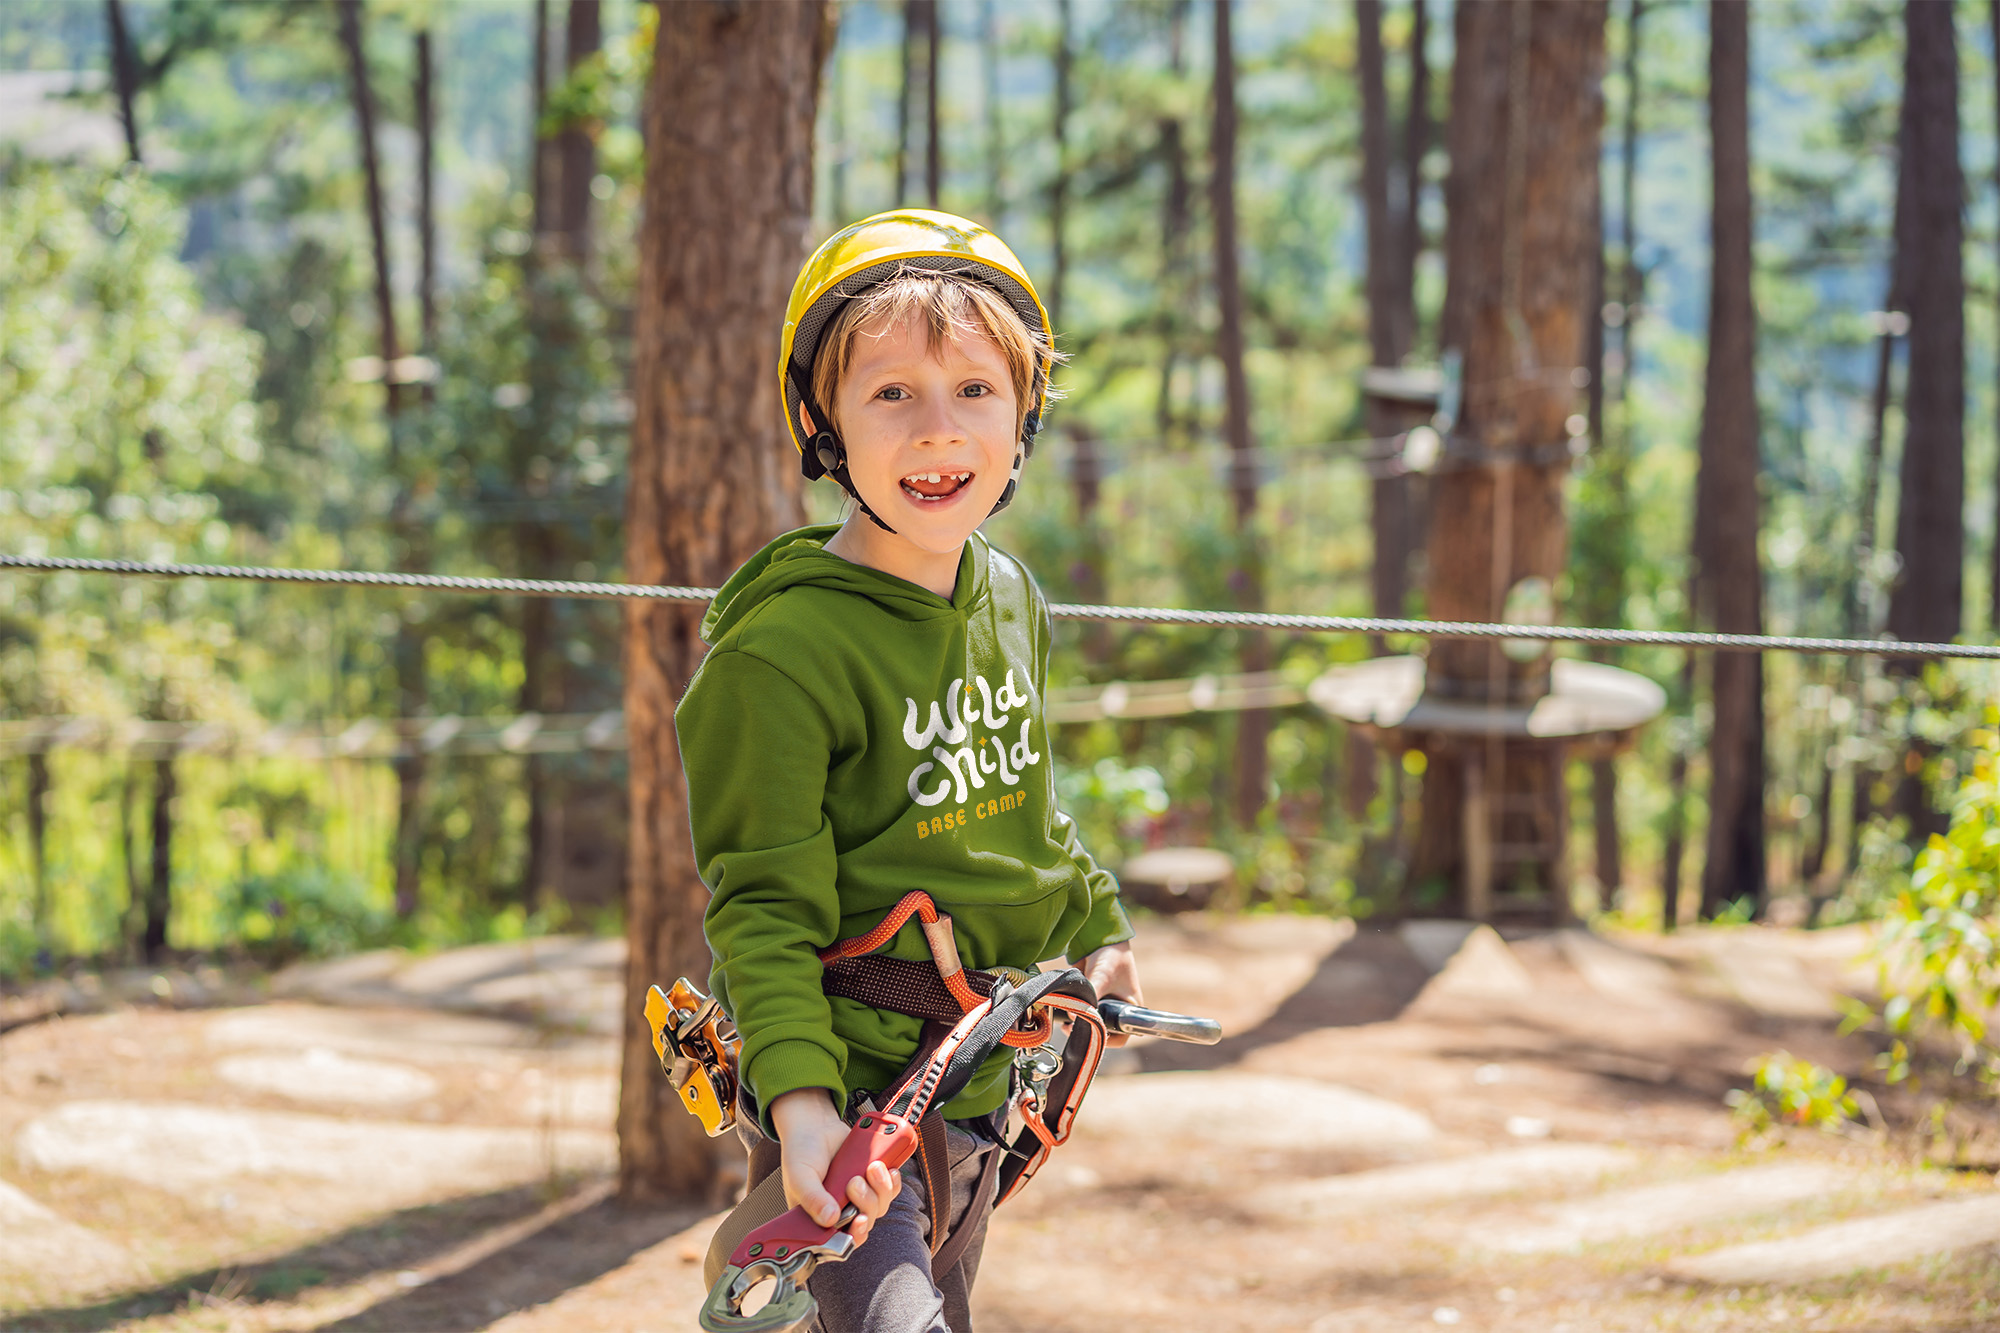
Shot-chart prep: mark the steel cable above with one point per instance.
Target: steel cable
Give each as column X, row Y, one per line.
column 1130, row 615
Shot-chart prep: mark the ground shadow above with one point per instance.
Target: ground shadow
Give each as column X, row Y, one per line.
column 570, row 1252
column 1370, row 978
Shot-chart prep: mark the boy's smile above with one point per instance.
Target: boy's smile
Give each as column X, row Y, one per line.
column 931, row 436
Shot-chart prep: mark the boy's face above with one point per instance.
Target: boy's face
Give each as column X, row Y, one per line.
column 930, row 438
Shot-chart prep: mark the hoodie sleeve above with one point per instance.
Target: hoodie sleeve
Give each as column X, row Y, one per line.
column 755, row 749
column 1106, row 922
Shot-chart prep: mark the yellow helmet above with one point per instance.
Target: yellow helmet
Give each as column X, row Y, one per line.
column 863, row 255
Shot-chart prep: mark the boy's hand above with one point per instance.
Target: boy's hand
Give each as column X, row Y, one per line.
column 810, row 1131
column 1114, row 974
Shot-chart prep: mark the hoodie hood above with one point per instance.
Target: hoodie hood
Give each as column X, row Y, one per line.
column 800, row 557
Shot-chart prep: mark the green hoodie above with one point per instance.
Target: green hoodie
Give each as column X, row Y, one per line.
column 852, row 737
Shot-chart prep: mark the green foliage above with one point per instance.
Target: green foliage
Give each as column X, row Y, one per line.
column 1881, row 872
column 1788, row 1091
column 309, row 911
column 1940, row 944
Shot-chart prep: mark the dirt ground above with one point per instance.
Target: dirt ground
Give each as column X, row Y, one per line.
column 1405, row 1128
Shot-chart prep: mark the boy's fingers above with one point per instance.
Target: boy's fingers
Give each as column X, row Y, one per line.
column 810, row 1195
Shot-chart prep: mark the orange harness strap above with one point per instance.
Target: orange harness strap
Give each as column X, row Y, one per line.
column 944, row 951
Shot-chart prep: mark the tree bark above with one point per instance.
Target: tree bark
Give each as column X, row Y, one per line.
column 1253, row 726
column 1729, row 589
column 728, row 201
column 1526, row 113
column 1927, row 602
column 124, row 76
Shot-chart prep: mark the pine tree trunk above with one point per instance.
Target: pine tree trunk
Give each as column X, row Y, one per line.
column 996, row 128
column 911, row 21
column 728, row 201
column 1176, row 221
column 1927, row 602
column 1416, row 143
column 124, row 76
column 1729, row 591
column 541, row 185
column 1059, row 184
column 1993, row 611
column 1525, row 119
column 412, row 694
column 574, row 147
column 38, row 836
column 1391, row 311
column 1253, row 726
column 159, row 887
column 426, row 108
column 933, row 148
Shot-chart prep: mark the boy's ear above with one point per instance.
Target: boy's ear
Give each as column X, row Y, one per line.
column 806, row 422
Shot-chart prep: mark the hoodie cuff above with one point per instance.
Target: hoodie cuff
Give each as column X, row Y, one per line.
column 1106, row 924
column 787, row 1066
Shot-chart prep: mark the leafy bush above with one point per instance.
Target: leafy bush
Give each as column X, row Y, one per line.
column 1941, row 936
column 1938, row 959
column 1113, row 805
column 308, row 911
column 1790, row 1091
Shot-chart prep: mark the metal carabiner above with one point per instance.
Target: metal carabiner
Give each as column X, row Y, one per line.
column 787, row 1249
column 788, row 1269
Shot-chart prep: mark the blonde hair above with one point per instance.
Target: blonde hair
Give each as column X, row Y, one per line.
column 950, row 305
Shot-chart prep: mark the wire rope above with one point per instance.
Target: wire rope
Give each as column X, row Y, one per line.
column 1130, row 615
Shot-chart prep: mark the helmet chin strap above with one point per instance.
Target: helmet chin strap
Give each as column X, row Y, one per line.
column 832, row 459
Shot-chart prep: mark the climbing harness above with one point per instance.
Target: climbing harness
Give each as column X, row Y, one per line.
column 1052, row 1019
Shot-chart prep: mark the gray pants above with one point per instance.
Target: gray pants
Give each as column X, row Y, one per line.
column 887, row 1285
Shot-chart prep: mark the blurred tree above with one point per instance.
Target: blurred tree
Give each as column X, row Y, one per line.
column 575, row 145
column 1927, row 600
column 1064, row 58
column 1524, row 135
column 1603, row 547
column 1253, row 726
column 412, row 694
column 1729, row 586
column 728, row 201
column 124, row 76
column 995, row 113
column 933, row 149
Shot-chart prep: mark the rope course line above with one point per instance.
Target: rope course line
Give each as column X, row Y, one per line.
column 1131, row 615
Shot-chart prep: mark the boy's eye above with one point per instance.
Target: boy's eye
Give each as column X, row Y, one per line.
column 976, row 390
column 893, row 394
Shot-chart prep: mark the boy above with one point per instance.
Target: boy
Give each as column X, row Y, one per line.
column 868, row 722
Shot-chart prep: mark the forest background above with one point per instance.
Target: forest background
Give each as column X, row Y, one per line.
column 193, row 301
